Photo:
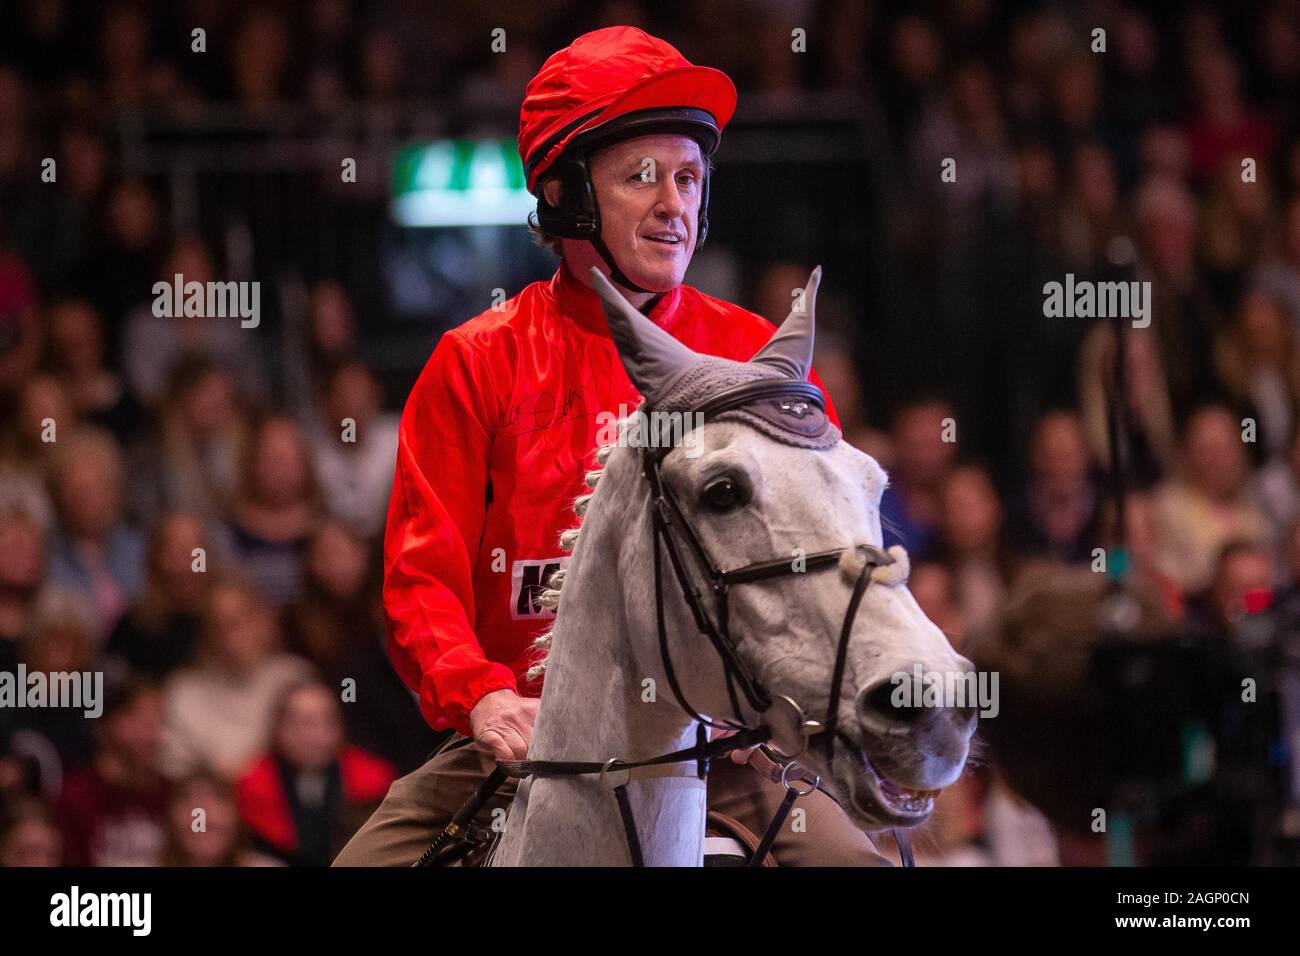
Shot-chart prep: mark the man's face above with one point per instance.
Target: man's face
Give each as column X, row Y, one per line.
column 649, row 192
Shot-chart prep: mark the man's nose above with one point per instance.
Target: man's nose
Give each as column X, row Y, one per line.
column 669, row 203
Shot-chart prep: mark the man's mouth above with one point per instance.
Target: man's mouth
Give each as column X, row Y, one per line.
column 666, row 238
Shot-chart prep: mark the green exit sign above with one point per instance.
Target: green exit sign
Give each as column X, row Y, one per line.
column 460, row 182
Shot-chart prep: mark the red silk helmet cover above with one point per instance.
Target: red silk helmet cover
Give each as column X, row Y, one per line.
column 603, row 75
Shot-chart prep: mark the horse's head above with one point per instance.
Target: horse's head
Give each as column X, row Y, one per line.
column 771, row 481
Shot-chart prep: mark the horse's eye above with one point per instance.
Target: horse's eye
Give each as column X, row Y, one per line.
column 723, row 494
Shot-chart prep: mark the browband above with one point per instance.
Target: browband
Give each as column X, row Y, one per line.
column 763, row 388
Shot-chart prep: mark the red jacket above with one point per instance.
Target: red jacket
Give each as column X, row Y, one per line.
column 495, row 441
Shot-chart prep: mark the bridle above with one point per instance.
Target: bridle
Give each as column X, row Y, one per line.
column 785, row 724
column 670, row 524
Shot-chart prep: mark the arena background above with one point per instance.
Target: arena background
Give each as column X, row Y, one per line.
column 231, row 164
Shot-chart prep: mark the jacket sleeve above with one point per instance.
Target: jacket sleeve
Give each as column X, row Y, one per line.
column 435, row 522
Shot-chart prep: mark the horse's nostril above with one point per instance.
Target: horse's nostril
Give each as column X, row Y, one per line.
column 881, row 701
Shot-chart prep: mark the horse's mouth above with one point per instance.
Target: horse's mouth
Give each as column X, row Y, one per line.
column 875, row 797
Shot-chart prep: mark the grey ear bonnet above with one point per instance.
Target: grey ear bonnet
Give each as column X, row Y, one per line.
column 674, row 378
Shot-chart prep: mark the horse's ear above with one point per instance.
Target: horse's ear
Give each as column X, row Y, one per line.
column 654, row 359
column 791, row 348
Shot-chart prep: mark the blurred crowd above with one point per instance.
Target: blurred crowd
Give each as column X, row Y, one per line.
column 135, row 450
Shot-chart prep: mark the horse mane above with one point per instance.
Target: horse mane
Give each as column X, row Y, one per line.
column 550, row 598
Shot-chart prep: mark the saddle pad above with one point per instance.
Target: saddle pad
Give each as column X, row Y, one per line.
column 724, row 851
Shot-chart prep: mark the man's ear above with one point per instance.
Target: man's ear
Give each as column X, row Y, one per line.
column 553, row 190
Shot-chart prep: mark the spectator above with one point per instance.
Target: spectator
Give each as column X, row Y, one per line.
column 1279, row 276
column 1092, row 217
column 161, row 631
column 22, row 574
column 1277, row 486
column 276, row 505
column 20, row 333
column 43, row 409
column 98, row 394
column 1242, row 566
column 305, row 799
column 916, row 72
column 381, row 67
column 332, row 339
column 354, row 448
column 154, row 345
column 339, row 627
column 93, row 550
column 192, row 463
column 971, row 543
column 125, row 54
column 260, row 59
column 1238, row 229
column 62, row 641
column 63, row 220
column 1259, row 366
column 1167, row 217
column 120, row 270
column 19, row 775
column 203, row 826
column 217, row 712
column 29, row 836
column 1056, row 515
column 911, row 508
column 113, row 809
column 1224, row 126
column 1208, row 503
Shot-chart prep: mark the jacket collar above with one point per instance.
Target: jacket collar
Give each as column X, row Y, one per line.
column 580, row 304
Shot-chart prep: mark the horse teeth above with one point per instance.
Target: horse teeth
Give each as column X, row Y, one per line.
column 899, row 792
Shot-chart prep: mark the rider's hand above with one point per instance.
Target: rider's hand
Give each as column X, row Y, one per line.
column 502, row 723
column 740, row 756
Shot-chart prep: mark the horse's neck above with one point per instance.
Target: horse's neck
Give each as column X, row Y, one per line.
column 593, row 708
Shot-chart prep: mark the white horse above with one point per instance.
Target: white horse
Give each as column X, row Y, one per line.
column 606, row 690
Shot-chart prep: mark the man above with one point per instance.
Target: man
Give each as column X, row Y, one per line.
column 616, row 134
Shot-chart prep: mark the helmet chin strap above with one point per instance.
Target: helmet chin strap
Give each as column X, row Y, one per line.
column 615, row 273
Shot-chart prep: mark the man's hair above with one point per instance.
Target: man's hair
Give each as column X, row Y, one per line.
column 552, row 244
